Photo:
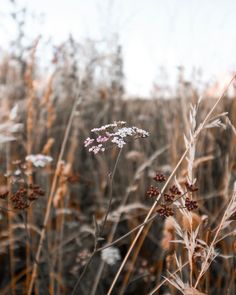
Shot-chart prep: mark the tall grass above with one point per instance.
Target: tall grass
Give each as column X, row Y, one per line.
column 55, row 244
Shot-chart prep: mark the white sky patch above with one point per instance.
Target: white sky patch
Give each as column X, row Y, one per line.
column 153, row 33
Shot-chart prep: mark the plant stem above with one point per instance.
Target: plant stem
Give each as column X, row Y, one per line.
column 52, row 192
column 110, row 193
column 28, row 237
column 102, row 226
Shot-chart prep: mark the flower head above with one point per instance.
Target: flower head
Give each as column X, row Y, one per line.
column 88, row 141
column 116, row 133
column 39, row 160
column 111, row 255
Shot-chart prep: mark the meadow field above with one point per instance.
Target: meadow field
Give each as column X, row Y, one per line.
column 104, row 194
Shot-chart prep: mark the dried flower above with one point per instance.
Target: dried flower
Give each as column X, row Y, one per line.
column 174, row 190
column 169, row 198
column 22, row 198
column 19, row 199
column 159, row 177
column 152, row 192
column 111, row 255
column 190, row 204
column 165, row 211
column 191, row 187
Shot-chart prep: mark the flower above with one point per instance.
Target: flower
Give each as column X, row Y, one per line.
column 111, row 255
column 88, row 141
column 191, row 187
column 165, row 211
column 102, row 138
column 190, row 204
column 119, row 142
column 39, row 160
column 115, row 133
column 160, row 177
column 174, row 190
column 152, row 191
column 97, row 148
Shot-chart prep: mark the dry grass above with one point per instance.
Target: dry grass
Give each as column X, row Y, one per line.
column 53, row 245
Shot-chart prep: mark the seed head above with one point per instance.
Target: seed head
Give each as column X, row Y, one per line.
column 165, row 211
column 160, row 177
column 152, row 192
column 174, row 190
column 190, row 204
column 191, row 187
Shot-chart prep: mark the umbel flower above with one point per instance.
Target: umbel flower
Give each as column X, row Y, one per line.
column 39, row 160
column 114, row 134
column 111, row 255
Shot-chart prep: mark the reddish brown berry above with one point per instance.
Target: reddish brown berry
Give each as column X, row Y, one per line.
column 191, row 187
column 169, row 198
column 165, row 211
column 152, row 192
column 174, row 190
column 160, row 177
column 190, row 204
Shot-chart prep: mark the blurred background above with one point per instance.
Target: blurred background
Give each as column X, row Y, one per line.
column 143, row 62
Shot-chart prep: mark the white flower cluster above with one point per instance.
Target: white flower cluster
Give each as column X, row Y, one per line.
column 114, row 133
column 111, row 255
column 39, row 160
column 97, row 148
column 109, row 126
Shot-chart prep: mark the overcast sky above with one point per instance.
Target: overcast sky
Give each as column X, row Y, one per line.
column 154, row 33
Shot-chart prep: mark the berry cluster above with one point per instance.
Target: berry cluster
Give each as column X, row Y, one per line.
column 191, row 187
column 174, row 190
column 159, row 177
column 165, row 211
column 190, row 204
column 171, row 196
column 22, row 198
column 152, row 192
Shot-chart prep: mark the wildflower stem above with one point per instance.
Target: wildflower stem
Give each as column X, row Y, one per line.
column 83, row 272
column 134, row 229
column 102, row 227
column 110, row 192
column 127, row 234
